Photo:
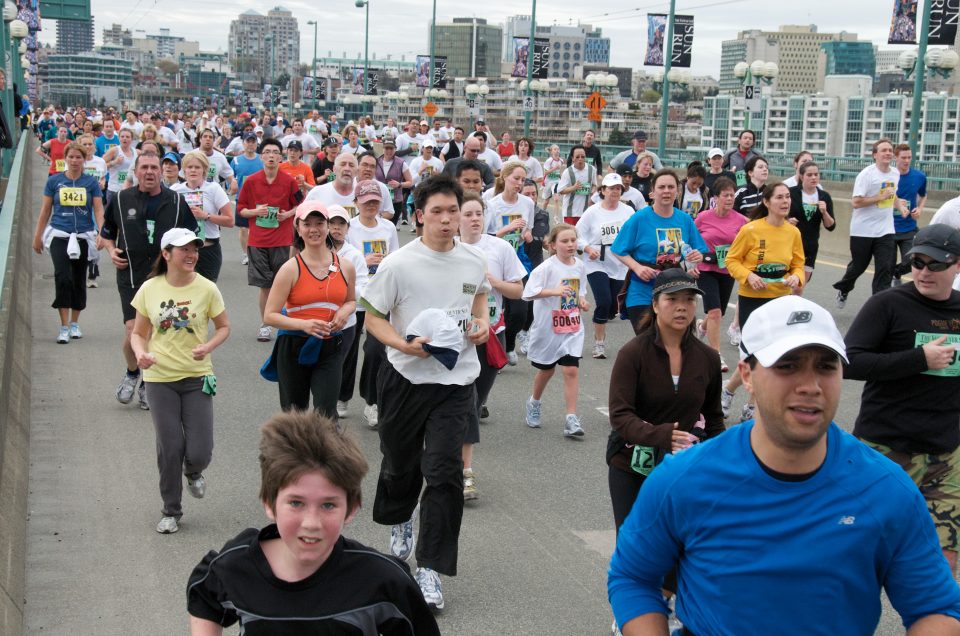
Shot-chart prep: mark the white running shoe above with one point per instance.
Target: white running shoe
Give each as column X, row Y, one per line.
column 264, row 333
column 197, row 485
column 726, row 401
column 75, row 333
column 533, row 413
column 470, row 491
column 599, row 351
column 64, row 336
column 429, row 582
column 512, row 358
column 244, row 260
column 168, row 525
column 746, row 413
column 341, row 408
column 734, row 332
column 127, row 387
column 572, row 427
column 372, row 415
column 402, row 539
column 724, row 367
column 523, row 339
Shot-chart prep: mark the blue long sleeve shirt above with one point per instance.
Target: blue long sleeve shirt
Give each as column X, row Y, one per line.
column 758, row 555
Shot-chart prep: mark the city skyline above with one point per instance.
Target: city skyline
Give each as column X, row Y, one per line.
column 716, row 21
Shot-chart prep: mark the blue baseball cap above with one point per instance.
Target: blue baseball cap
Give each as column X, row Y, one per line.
column 171, row 156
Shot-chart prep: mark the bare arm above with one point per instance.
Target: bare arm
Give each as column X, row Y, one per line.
column 385, row 333
column 654, row 624
column 933, row 625
column 203, row 627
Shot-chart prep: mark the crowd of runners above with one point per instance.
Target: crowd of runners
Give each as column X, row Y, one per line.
column 530, row 243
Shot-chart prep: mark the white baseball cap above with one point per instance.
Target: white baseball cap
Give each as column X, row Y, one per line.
column 611, row 179
column 788, row 323
column 714, row 152
column 178, row 237
column 428, row 143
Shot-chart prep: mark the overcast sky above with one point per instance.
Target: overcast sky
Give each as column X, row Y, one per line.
column 399, row 27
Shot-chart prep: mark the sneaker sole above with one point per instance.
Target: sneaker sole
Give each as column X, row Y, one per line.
column 59, row 341
column 532, row 424
column 436, row 607
column 471, row 496
column 574, row 435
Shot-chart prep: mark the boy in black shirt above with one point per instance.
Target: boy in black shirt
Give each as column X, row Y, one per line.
column 299, row 575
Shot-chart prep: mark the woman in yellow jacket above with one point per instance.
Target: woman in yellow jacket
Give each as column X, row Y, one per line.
column 766, row 258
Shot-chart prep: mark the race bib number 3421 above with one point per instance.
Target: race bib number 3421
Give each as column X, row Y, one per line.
column 73, row 196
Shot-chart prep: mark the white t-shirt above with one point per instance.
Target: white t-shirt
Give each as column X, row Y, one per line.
column 948, row 214
column 534, row 169
column 367, row 133
column 316, row 128
column 502, row 263
column 395, row 291
column 211, row 197
column 219, row 168
column 492, row 159
column 350, row 150
column 436, row 167
column 576, row 202
column 405, row 141
column 380, row 239
column 167, row 137
column 693, row 202
column 136, row 127
column 551, row 164
column 235, row 147
column 545, row 345
column 95, row 166
column 305, row 139
column 598, row 228
column 328, row 195
column 632, row 196
column 350, row 253
column 390, row 131
column 499, row 214
column 874, row 220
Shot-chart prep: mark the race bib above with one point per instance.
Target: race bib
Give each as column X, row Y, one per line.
column 741, row 178
column 73, row 196
column 721, row 252
column 608, row 233
column 270, row 222
column 194, row 199
column 642, row 460
column 151, row 226
column 331, row 177
column 566, row 321
column 771, row 272
column 953, row 369
column 414, row 148
column 494, row 308
column 60, row 165
column 583, row 190
column 809, row 209
column 211, row 173
column 91, row 172
column 121, row 177
column 888, row 202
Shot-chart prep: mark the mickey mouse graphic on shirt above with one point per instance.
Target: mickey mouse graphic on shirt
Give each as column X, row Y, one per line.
column 172, row 316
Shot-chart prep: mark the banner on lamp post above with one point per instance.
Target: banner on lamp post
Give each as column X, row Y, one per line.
column 422, row 68
column 682, row 41
column 522, row 56
column 903, row 24
column 943, row 21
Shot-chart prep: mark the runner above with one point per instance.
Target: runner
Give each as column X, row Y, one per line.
column 749, row 195
column 173, row 310
column 243, row 166
column 799, row 159
column 471, row 151
column 426, row 165
column 454, row 147
column 270, row 197
column 70, row 213
column 766, row 258
column 911, row 188
column 693, row 193
column 297, row 169
column 577, row 183
column 505, row 149
column 556, row 337
column 310, row 302
column 218, row 169
column 133, row 222
column 736, row 160
column 210, row 206
column 715, row 161
column 395, row 174
column 505, row 273
column 552, row 169
column 643, row 182
column 170, row 169
column 871, row 226
column 367, row 171
column 810, row 206
column 629, row 157
column 426, row 405
column 340, row 191
column 597, row 230
column 591, row 152
column 525, row 156
column 53, row 149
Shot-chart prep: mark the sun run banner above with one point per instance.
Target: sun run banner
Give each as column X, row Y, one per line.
column 682, row 49
column 373, row 81
column 522, row 56
column 903, row 24
column 422, row 68
column 943, row 21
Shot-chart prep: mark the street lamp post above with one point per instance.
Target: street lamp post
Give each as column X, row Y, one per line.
column 361, row 4
column 433, row 48
column 477, row 93
column 940, row 62
column 313, row 79
column 9, row 15
column 665, row 81
column 758, row 70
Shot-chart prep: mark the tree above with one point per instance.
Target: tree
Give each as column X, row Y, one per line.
column 168, row 67
column 304, row 70
column 619, row 137
column 282, row 80
column 650, row 95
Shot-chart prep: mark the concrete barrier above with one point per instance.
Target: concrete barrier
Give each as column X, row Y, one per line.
column 16, row 273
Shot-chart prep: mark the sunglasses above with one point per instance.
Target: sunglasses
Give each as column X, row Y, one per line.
column 933, row 266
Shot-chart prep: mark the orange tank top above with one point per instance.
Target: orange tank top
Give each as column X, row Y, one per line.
column 315, row 298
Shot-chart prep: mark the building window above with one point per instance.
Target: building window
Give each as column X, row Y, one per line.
column 556, row 46
column 566, row 66
column 576, row 57
column 566, row 46
column 566, row 56
column 576, row 46
column 566, row 76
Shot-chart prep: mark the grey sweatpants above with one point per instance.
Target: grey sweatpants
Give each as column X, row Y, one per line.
column 183, row 419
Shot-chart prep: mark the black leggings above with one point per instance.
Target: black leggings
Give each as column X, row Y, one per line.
column 515, row 313
column 69, row 276
column 297, row 382
column 349, row 378
column 374, row 357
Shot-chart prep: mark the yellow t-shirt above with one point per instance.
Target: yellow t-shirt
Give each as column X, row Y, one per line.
column 773, row 252
column 180, row 317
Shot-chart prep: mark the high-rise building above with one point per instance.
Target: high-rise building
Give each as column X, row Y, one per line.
column 845, row 58
column 596, row 50
column 571, row 47
column 472, row 47
column 795, row 49
column 74, row 36
column 265, row 46
column 116, row 35
column 86, row 78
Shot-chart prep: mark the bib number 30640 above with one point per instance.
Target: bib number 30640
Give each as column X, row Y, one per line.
column 566, row 320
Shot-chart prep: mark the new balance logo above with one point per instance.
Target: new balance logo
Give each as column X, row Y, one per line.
column 847, row 521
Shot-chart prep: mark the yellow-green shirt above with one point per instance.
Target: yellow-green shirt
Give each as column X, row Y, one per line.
column 773, row 252
column 180, row 318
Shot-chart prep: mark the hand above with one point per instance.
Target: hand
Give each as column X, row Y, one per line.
column 792, row 281
column 317, row 328
column 479, row 331
column 233, row 187
column 100, row 242
column 563, row 290
column 645, row 273
column 904, row 207
column 38, row 244
column 283, row 215
column 199, row 352
column 915, row 213
column 415, row 347
column 792, row 220
column 118, row 261
column 755, row 281
column 887, row 193
column 681, row 440
column 517, row 224
column 584, row 304
column 592, row 252
column 393, row 184
column 198, row 212
column 939, row 355
column 527, row 237
column 146, row 360
column 694, row 256
column 373, row 258
column 822, row 205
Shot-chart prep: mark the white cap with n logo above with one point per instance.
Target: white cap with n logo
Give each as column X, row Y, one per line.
column 785, row 324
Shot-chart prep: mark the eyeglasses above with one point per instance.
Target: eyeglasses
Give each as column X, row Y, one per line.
column 934, row 266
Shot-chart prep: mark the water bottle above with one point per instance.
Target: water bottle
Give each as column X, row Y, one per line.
column 685, row 250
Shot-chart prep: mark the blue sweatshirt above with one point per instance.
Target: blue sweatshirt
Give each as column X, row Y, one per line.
column 758, row 555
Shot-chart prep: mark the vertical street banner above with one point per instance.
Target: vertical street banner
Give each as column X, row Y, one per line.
column 903, row 24
column 306, row 88
column 656, row 34
column 422, row 70
column 682, row 49
column 943, row 21
column 523, row 55
column 356, row 80
column 373, row 81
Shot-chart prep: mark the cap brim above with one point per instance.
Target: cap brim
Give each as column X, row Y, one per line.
column 679, row 288
column 769, row 355
column 182, row 243
column 935, row 253
column 368, row 197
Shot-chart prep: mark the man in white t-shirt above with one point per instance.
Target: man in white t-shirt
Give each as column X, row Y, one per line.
column 426, row 405
column 426, row 165
column 453, row 148
column 132, row 123
column 219, row 169
column 871, row 226
column 340, row 190
column 488, row 155
column 315, row 127
column 310, row 145
column 577, row 184
column 408, row 142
